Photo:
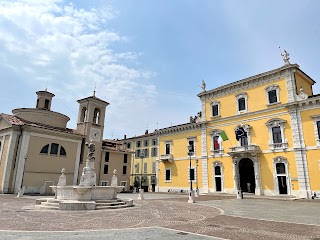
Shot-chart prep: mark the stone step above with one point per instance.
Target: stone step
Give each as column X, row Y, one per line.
column 112, row 207
column 107, row 201
column 110, row 203
column 53, row 204
column 49, row 207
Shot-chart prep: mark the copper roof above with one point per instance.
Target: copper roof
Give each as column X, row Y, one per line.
column 14, row 120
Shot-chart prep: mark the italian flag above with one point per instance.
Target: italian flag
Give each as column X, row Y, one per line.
column 223, row 137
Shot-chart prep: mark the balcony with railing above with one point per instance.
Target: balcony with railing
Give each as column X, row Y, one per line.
column 166, row 157
column 248, row 150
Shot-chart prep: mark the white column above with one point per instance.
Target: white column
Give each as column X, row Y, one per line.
column 8, row 161
column 257, row 177
column 21, row 162
column 236, row 178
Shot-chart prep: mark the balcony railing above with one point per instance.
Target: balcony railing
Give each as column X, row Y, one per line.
column 166, row 157
column 280, row 146
column 249, row 149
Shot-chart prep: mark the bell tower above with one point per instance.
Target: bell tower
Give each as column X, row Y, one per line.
column 91, row 117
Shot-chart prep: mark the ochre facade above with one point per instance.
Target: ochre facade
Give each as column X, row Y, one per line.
column 277, row 120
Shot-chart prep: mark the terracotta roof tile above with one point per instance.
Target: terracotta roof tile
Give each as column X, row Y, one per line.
column 21, row 122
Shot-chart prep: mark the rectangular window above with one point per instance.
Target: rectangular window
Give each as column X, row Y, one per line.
column 104, row 183
column 192, row 174
column 167, row 148
column 276, row 133
column 154, row 142
column 106, row 169
column 137, row 153
column 145, row 167
column 191, row 142
column 241, row 104
column 318, row 127
column 153, row 152
column 137, row 167
column 125, row 158
column 215, row 110
column 138, row 144
column 106, row 157
column 168, row 174
column 146, row 152
column 216, row 145
column 146, row 143
column 272, row 96
column 129, row 145
column 153, row 167
column 54, row 149
column 124, row 170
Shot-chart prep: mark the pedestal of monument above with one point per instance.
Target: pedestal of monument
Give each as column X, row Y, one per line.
column 85, row 196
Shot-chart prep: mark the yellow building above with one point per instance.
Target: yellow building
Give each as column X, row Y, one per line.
column 272, row 121
column 35, row 144
column 143, row 162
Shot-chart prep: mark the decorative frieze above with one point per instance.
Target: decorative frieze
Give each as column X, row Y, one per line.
column 251, row 82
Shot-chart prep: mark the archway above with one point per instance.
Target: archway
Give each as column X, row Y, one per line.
column 246, row 173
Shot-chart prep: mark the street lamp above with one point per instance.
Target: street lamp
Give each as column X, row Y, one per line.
column 197, row 189
column 140, row 197
column 191, row 193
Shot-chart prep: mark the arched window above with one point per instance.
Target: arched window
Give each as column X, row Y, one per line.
column 62, row 151
column 83, row 114
column 45, row 149
column 46, row 104
column 54, row 149
column 96, row 115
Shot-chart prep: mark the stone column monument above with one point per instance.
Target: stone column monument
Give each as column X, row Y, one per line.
column 88, row 177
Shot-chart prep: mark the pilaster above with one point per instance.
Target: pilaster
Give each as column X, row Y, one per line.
column 300, row 152
column 8, row 161
column 204, row 159
column 21, row 160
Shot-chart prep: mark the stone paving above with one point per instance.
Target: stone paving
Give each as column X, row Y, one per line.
column 159, row 213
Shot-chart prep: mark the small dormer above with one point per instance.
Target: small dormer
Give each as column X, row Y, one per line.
column 44, row 100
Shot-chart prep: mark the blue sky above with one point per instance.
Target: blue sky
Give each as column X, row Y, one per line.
column 147, row 58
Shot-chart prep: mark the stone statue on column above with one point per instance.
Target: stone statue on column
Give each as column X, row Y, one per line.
column 88, row 177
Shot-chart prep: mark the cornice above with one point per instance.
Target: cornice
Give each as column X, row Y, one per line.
column 189, row 127
column 309, row 103
column 249, row 82
column 249, row 116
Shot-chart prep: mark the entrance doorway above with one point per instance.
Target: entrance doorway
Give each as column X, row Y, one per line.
column 217, row 178
column 282, row 178
column 246, row 173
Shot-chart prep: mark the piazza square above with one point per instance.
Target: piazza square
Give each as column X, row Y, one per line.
column 159, row 120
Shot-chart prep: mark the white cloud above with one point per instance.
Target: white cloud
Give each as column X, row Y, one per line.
column 68, row 48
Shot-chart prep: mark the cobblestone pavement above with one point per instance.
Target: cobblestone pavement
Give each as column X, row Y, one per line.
column 171, row 213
